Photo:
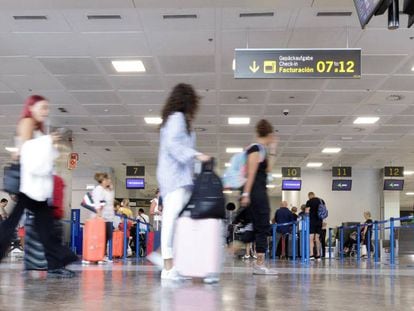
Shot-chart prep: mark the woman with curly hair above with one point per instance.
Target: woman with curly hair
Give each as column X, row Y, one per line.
column 175, row 164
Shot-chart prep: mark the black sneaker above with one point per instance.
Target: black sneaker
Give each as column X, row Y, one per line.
column 60, row 273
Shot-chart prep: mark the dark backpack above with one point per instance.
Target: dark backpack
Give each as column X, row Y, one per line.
column 207, row 199
column 322, row 210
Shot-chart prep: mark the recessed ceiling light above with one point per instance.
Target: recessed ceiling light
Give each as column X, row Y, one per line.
column 346, row 138
column 270, row 186
column 227, row 164
column 227, row 191
column 331, row 150
column 233, row 64
column 278, row 175
column 153, row 120
column 408, row 173
column 11, row 149
column 128, row 65
column 200, row 129
column 106, row 110
column 234, row 150
column 314, row 164
column 366, row 120
column 239, row 121
column 409, row 193
column 412, row 68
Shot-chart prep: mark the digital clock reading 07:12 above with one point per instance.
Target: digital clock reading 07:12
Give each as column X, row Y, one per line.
column 328, row 66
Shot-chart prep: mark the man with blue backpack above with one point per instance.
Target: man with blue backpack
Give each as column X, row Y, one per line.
column 317, row 211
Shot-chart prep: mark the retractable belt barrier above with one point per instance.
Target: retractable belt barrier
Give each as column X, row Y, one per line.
column 304, row 238
column 76, row 224
column 377, row 226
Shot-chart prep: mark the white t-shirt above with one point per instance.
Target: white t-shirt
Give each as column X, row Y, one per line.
column 104, row 198
column 144, row 219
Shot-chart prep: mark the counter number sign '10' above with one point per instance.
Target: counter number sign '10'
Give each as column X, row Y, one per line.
column 297, row 63
column 291, row 172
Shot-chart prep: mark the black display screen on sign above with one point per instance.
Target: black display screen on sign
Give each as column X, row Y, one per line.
column 135, row 170
column 394, row 171
column 341, row 171
column 341, row 185
column 366, row 9
column 394, row 184
column 297, row 63
column 291, row 172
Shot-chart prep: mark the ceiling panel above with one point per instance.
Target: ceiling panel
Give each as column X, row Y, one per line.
column 96, row 97
column 84, row 82
column 333, row 97
column 292, row 97
column 294, row 110
column 187, row 64
column 136, row 82
column 67, row 66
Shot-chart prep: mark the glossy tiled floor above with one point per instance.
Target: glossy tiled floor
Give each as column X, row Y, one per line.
column 136, row 286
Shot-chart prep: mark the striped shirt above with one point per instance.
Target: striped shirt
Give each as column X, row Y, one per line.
column 176, row 155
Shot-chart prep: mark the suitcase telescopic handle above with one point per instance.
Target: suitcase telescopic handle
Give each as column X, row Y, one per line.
column 209, row 165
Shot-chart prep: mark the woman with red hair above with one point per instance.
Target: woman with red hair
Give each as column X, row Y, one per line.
column 36, row 152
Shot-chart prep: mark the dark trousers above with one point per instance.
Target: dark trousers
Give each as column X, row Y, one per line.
column 57, row 255
column 108, row 234
column 322, row 238
column 261, row 219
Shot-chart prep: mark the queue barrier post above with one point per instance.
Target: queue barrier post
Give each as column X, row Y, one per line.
column 307, row 238
column 302, row 240
column 392, row 250
column 330, row 243
column 274, row 241
column 125, row 238
column 294, row 241
column 368, row 243
column 137, row 246
column 358, row 242
column 110, row 247
column 341, row 242
column 376, row 257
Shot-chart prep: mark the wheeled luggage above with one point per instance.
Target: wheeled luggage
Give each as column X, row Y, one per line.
column 117, row 244
column 198, row 247
column 94, row 240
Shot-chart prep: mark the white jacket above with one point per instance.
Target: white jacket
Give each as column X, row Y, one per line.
column 37, row 159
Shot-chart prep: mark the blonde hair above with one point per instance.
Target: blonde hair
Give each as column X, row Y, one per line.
column 367, row 214
column 125, row 203
column 99, row 177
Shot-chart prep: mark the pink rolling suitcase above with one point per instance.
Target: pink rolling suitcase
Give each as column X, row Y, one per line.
column 198, row 247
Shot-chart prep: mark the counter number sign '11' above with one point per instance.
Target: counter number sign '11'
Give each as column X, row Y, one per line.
column 297, row 63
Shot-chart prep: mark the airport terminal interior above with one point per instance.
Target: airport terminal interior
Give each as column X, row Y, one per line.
column 335, row 79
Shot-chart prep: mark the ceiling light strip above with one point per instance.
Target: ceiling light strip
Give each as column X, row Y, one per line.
column 180, row 16
column 30, row 17
column 263, row 14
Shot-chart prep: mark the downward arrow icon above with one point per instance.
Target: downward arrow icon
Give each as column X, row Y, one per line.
column 254, row 68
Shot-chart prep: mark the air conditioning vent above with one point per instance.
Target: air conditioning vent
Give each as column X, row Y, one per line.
column 180, row 16
column 333, row 14
column 30, row 17
column 263, row 14
column 104, row 17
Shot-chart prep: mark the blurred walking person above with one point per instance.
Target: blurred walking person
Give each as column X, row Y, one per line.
column 175, row 164
column 37, row 154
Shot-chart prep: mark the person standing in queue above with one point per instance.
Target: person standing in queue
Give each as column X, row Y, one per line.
column 175, row 164
column 103, row 198
column 259, row 163
column 312, row 206
column 37, row 154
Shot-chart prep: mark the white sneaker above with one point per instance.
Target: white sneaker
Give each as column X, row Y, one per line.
column 107, row 260
column 156, row 259
column 263, row 270
column 211, row 279
column 246, row 257
column 86, row 262
column 171, row 274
